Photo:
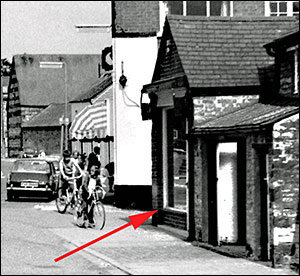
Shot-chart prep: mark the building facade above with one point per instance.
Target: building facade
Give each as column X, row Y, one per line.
column 33, row 87
column 135, row 25
column 136, row 30
column 212, row 132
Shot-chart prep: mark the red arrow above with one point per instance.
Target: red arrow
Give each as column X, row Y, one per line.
column 135, row 220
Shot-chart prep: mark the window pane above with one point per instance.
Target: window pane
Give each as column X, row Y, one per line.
column 296, row 7
column 215, row 8
column 283, row 7
column 175, row 7
column 273, row 7
column 179, row 163
column 196, row 8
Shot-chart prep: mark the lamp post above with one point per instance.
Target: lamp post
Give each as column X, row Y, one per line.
column 61, row 122
column 64, row 120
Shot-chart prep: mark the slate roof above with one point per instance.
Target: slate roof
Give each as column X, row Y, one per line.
column 249, row 117
column 225, row 51
column 95, row 89
column 49, row 117
column 42, row 86
column 287, row 39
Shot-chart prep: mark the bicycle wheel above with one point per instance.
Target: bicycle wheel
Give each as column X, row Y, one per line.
column 79, row 215
column 61, row 203
column 99, row 215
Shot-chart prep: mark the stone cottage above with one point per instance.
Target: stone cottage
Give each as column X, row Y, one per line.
column 212, row 128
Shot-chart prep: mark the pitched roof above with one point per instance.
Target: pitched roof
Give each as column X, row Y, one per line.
column 95, row 89
column 49, row 117
column 248, row 117
column 285, row 40
column 222, row 51
column 43, row 86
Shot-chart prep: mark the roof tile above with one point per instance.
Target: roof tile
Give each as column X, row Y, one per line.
column 237, row 41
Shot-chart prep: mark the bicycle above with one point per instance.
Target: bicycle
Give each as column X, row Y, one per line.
column 80, row 215
column 71, row 197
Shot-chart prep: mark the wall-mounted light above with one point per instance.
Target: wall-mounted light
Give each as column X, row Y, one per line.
column 123, row 79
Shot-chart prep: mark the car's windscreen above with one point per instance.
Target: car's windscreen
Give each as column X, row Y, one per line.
column 31, row 166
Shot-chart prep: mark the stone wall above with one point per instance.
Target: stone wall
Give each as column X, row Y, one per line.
column 284, row 181
column 206, row 108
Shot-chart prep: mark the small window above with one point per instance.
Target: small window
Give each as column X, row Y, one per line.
column 201, row 8
column 175, row 7
column 196, row 8
column 282, row 8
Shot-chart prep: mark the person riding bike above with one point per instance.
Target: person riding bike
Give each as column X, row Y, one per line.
column 68, row 167
column 90, row 182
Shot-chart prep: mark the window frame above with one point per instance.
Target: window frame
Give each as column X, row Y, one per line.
column 289, row 11
column 184, row 11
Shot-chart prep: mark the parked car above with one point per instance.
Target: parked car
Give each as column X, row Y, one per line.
column 55, row 159
column 32, row 177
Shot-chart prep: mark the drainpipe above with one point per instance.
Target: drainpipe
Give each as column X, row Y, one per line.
column 2, row 122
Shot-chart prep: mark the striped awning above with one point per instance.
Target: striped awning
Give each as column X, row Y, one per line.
column 90, row 123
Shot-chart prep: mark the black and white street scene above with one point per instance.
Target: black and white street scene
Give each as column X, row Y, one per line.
column 149, row 137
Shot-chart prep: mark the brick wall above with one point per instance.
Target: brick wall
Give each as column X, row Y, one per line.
column 206, row 108
column 200, row 178
column 157, row 174
column 284, row 182
column 253, row 192
column 248, row 8
column 135, row 17
column 174, row 218
column 42, row 139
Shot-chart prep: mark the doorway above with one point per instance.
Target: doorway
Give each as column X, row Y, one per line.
column 226, row 193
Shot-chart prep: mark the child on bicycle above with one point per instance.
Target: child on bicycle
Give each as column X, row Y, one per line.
column 90, row 182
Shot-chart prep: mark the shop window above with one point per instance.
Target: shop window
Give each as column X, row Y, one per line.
column 281, row 8
column 201, row 8
column 174, row 161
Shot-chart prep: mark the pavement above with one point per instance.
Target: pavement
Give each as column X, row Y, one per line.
column 151, row 250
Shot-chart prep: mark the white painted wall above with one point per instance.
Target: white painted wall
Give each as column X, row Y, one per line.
column 132, row 150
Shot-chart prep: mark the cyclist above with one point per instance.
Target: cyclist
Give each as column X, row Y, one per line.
column 68, row 168
column 90, row 182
